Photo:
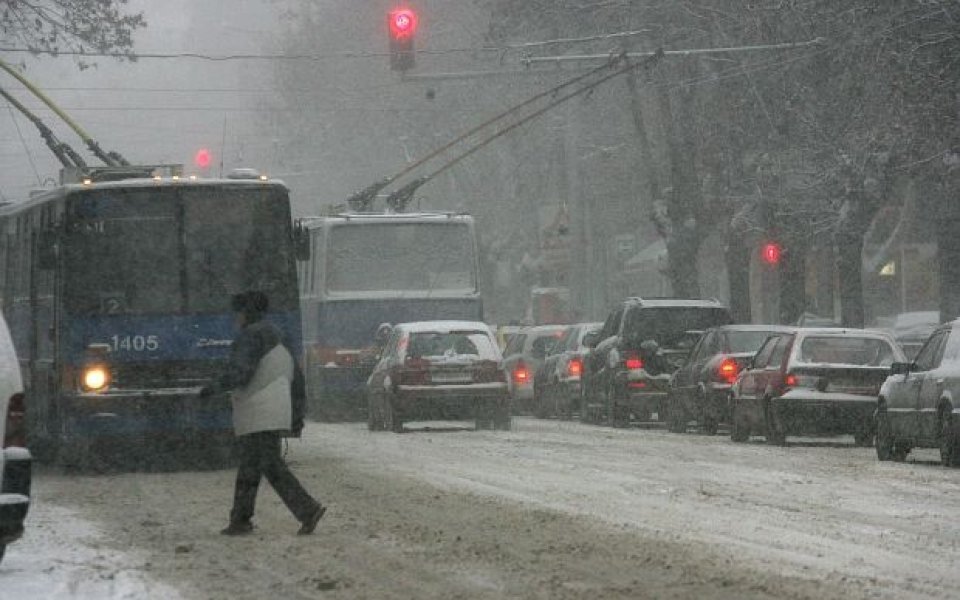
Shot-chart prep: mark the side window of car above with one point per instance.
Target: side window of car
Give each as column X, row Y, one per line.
column 779, row 352
column 929, row 356
column 763, row 354
column 515, row 345
column 700, row 348
column 541, row 346
column 713, row 345
column 951, row 346
column 612, row 325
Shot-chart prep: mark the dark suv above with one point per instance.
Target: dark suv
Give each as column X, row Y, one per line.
column 643, row 341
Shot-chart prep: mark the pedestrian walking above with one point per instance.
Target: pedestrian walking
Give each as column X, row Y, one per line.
column 269, row 399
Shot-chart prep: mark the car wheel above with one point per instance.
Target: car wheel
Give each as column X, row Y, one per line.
column 863, row 436
column 391, row 420
column 676, row 419
column 739, row 430
column 618, row 415
column 883, row 441
column 775, row 435
column 949, row 440
column 373, row 417
column 501, row 417
column 708, row 423
column 584, row 409
column 539, row 406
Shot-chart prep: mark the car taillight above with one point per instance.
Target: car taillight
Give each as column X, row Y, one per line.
column 728, row 369
column 521, row 374
column 16, row 434
column 790, row 380
column 633, row 362
column 574, row 367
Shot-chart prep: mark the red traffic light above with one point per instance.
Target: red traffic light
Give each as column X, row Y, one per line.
column 403, row 23
column 202, row 158
column 770, row 253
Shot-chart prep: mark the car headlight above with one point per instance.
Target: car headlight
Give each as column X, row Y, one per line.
column 95, row 379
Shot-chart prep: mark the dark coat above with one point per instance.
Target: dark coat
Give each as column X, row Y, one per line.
column 250, row 346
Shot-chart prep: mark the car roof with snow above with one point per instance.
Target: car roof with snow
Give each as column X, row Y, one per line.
column 443, row 326
column 673, row 302
column 755, row 327
column 842, row 332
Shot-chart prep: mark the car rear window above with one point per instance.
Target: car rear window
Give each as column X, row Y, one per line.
column 746, row 341
column 452, row 343
column 671, row 326
column 846, row 350
column 515, row 345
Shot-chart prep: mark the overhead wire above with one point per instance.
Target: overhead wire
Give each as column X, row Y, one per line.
column 26, row 149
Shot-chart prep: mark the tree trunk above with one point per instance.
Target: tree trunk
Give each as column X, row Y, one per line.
column 738, row 276
column 850, row 269
column 685, row 203
column 948, row 255
column 793, row 300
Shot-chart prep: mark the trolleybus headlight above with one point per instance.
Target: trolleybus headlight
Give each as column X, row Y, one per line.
column 95, row 379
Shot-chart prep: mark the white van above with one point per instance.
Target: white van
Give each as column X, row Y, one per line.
column 15, row 460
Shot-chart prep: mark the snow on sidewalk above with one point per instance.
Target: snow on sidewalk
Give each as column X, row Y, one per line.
column 64, row 556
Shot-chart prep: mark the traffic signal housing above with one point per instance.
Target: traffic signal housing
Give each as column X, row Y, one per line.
column 402, row 23
column 202, row 158
column 770, row 253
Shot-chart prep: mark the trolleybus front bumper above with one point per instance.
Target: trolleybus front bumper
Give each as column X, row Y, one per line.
column 124, row 413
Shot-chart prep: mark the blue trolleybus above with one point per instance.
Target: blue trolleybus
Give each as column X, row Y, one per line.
column 366, row 269
column 118, row 296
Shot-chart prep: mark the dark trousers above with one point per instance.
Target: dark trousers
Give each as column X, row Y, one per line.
column 259, row 455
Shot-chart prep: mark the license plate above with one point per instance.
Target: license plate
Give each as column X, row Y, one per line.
column 451, row 378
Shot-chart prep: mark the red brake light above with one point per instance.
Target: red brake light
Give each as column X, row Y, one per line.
column 521, row 374
column 633, row 363
column 403, row 22
column 16, row 422
column 790, row 380
column 575, row 367
column 728, row 370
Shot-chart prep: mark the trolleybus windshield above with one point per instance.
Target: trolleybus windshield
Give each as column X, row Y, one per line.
column 429, row 257
column 171, row 250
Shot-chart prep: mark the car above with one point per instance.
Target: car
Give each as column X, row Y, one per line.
column 813, row 381
column 911, row 330
column 438, row 370
column 15, row 460
column 700, row 388
column 523, row 356
column 556, row 384
column 642, row 342
column 919, row 403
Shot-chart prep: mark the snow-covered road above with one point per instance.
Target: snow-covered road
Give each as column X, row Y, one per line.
column 549, row 510
column 63, row 556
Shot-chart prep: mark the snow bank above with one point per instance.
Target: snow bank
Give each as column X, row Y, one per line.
column 63, row 556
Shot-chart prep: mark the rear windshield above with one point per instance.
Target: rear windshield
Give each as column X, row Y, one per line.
column 449, row 344
column 859, row 351
column 746, row 341
column 672, row 327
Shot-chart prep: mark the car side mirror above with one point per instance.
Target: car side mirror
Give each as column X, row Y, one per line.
column 591, row 339
column 902, row 368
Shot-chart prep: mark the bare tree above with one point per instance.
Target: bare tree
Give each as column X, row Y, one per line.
column 76, row 27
